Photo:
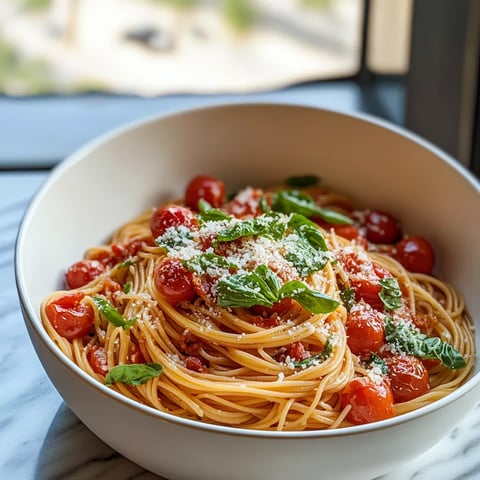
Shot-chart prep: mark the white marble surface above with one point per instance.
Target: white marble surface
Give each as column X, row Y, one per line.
column 41, row 439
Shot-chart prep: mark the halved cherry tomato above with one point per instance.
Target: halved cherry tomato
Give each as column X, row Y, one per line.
column 210, row 189
column 408, row 377
column 174, row 281
column 294, row 352
column 416, row 254
column 97, row 358
column 365, row 332
column 83, row 272
column 370, row 401
column 69, row 317
column 382, row 227
column 171, row 216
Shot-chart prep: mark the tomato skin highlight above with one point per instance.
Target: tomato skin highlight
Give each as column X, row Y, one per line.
column 69, row 317
column 370, row 401
column 202, row 187
column 365, row 332
column 171, row 216
column 83, row 272
column 416, row 254
column 173, row 281
column 408, row 377
column 382, row 227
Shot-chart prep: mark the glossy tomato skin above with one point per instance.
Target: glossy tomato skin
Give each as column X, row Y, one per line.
column 173, row 281
column 382, row 227
column 365, row 330
column 369, row 288
column 370, row 401
column 69, row 317
column 416, row 254
column 210, row 189
column 83, row 272
column 408, row 377
column 352, row 233
column 97, row 358
column 171, row 216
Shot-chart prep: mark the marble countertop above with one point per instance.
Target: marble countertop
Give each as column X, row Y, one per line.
column 41, row 438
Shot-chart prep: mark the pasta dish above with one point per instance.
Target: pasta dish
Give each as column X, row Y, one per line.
column 286, row 308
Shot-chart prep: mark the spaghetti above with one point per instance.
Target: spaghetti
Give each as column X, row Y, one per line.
column 261, row 313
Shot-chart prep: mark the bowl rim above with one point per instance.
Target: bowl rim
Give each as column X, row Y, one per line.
column 32, row 318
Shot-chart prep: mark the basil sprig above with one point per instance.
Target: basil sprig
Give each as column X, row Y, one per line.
column 111, row 313
column 263, row 287
column 133, row 373
column 293, row 201
column 390, row 294
column 412, row 342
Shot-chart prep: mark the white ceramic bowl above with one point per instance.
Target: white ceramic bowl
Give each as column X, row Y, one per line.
column 117, row 177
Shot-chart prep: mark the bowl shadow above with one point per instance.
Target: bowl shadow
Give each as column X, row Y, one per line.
column 72, row 452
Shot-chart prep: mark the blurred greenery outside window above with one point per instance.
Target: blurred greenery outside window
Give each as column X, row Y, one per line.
column 153, row 47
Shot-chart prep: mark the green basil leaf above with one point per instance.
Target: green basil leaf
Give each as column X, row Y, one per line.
column 111, row 313
column 302, row 181
column 297, row 202
column 308, row 230
column 305, row 257
column 348, row 298
column 268, row 225
column 312, row 300
column 318, row 358
column 175, row 239
column 390, row 294
column 208, row 213
column 127, row 287
column 377, row 361
column 249, row 289
column 125, row 263
column 412, row 342
column 205, row 261
column 133, row 373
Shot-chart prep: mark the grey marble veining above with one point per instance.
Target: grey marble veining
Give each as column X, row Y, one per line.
column 41, row 439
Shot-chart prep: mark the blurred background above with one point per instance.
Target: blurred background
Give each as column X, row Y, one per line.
column 73, row 69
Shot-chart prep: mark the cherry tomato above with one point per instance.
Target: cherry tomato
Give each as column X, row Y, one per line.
column 370, row 401
column 368, row 288
column 416, row 254
column 97, row 358
column 294, row 352
column 408, row 377
column 365, row 331
column 279, row 308
column 246, row 204
column 174, row 281
column 171, row 216
column 69, row 317
column 352, row 233
column 83, row 272
column 381, row 227
column 205, row 188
